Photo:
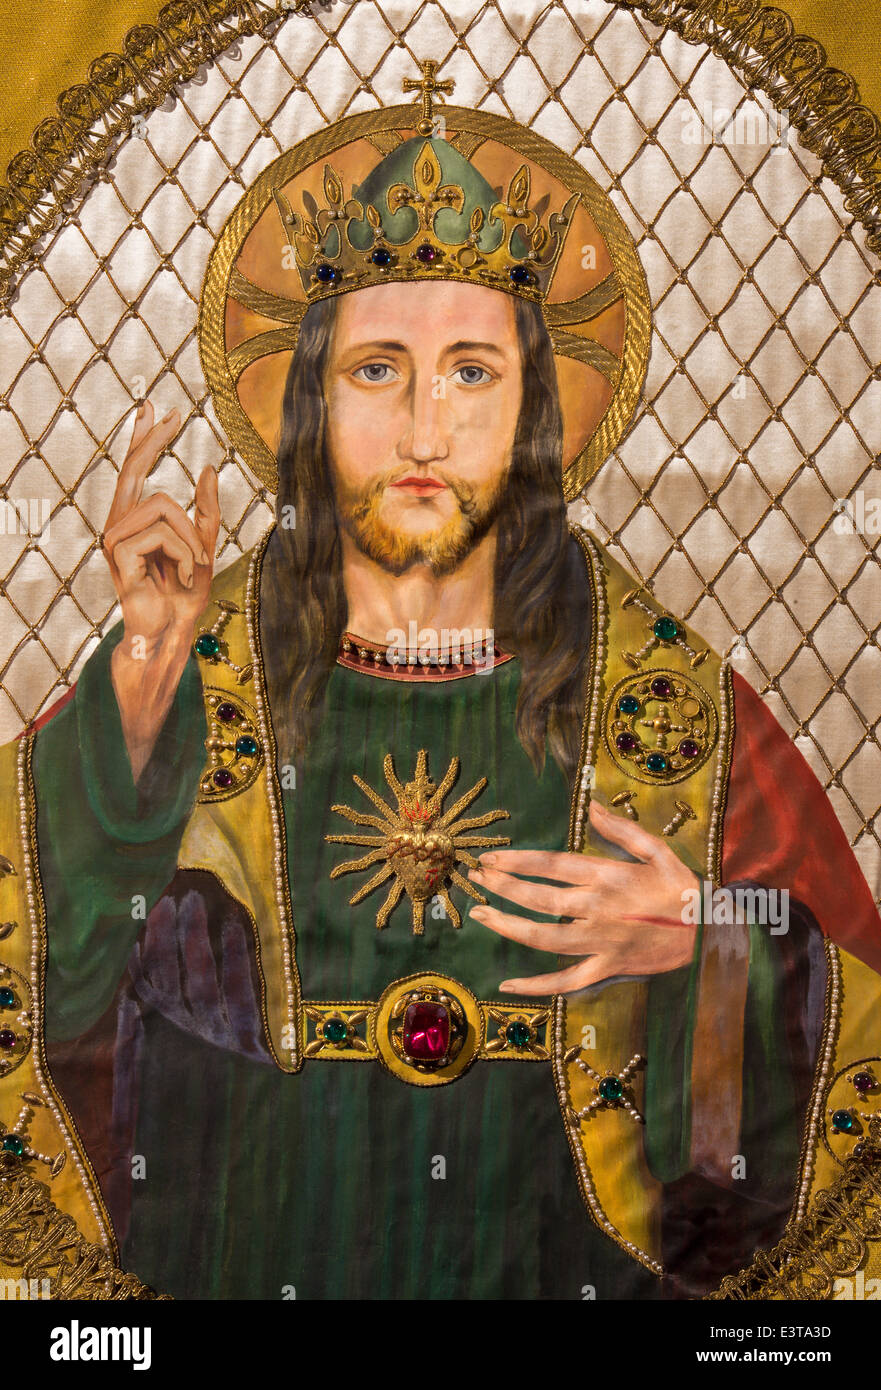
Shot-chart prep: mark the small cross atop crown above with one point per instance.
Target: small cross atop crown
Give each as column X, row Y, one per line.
column 429, row 88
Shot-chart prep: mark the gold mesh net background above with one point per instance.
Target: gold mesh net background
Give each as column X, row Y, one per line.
column 761, row 407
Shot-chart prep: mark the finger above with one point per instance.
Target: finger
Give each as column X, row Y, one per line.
column 619, row 830
column 556, row 937
column 153, row 442
column 138, row 465
column 538, row 863
column 143, row 425
column 159, row 507
column 568, row 981
column 539, row 897
column 130, row 556
column 207, row 514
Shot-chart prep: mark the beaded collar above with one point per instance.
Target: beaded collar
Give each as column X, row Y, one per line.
column 471, row 659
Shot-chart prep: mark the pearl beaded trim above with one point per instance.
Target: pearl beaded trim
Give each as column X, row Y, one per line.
column 720, row 781
column 583, row 785
column 821, row 1076
column 291, row 976
column 357, row 654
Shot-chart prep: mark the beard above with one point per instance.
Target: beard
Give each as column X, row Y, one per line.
column 442, row 549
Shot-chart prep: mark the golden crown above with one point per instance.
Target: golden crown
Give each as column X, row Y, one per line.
column 413, row 219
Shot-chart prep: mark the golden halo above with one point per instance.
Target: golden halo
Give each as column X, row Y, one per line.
column 597, row 307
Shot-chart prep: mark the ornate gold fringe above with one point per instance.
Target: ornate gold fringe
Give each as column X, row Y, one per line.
column 66, row 150
column 830, row 1242
column 38, row 1242
column 760, row 44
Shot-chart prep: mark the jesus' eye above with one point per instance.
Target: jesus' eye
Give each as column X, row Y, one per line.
column 472, row 375
column 375, row 372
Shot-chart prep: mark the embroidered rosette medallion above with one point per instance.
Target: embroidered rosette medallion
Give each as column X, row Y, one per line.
column 659, row 726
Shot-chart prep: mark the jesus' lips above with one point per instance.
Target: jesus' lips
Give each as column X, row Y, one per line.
column 421, row 487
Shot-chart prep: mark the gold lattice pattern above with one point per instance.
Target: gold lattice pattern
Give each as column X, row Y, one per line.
column 761, row 407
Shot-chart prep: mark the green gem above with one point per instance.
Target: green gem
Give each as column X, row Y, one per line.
column 7, row 997
column 666, row 629
column 517, row 1033
column 611, row 1088
column 13, row 1144
column 335, row 1030
column 656, row 762
column 628, row 704
column 843, row 1120
column 207, row 644
column 246, row 746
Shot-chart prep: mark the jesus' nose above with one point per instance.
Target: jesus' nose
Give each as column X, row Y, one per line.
column 424, row 439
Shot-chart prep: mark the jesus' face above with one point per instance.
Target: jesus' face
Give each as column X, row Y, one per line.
column 423, row 386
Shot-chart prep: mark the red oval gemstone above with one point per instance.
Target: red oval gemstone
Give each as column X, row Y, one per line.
column 661, row 687
column 226, row 712
column 222, row 777
column 688, row 748
column 863, row 1081
column 426, row 253
column 425, row 1035
column 626, row 743
column 7, row 1039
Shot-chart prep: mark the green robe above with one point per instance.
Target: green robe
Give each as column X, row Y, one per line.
column 340, row 1181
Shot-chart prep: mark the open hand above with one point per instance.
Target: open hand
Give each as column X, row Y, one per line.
column 619, row 918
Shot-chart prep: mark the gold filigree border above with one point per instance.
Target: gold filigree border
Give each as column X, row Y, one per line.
column 761, row 45
column 43, row 1244
column 757, row 41
column 829, row 1243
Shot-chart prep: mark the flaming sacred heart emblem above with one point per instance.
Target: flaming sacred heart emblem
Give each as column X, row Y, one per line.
column 419, row 844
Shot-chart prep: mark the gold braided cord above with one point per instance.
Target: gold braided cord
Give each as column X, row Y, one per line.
column 273, row 340
column 586, row 350
column 38, row 1242
column 829, row 1243
column 814, row 1122
column 271, row 306
column 823, row 104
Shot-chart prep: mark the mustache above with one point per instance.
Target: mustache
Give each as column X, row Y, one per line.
column 360, row 513
column 465, row 494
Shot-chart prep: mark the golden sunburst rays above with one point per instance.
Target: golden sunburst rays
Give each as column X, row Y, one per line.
column 419, row 844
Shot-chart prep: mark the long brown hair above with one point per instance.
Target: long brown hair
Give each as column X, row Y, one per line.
column 542, row 608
